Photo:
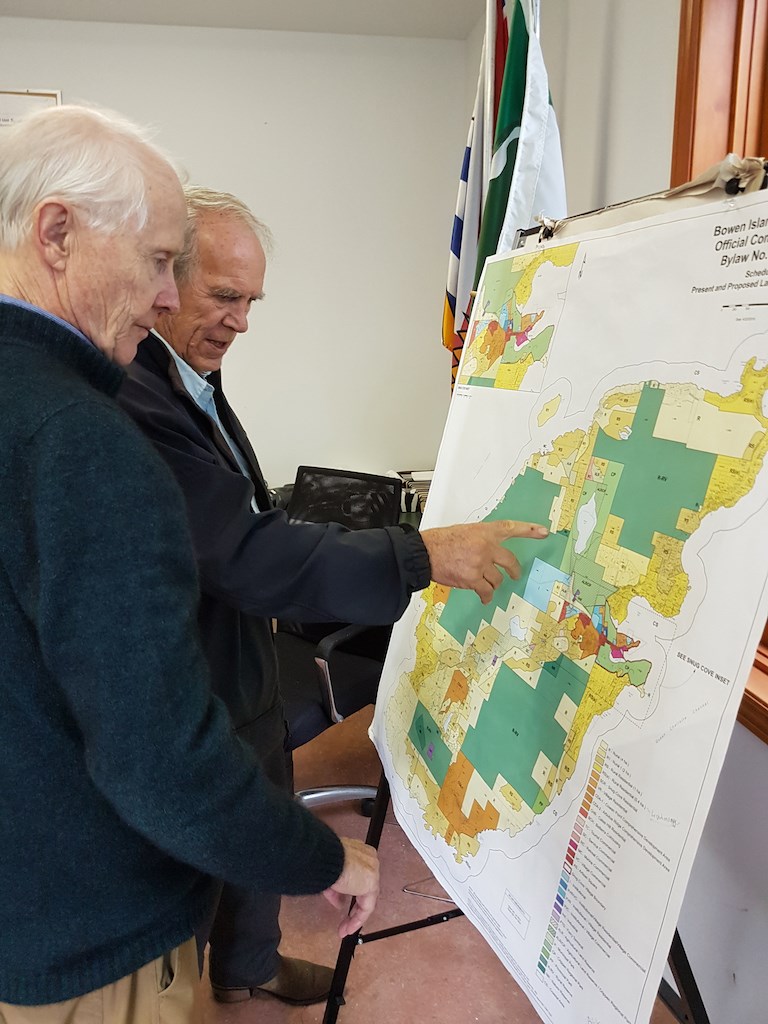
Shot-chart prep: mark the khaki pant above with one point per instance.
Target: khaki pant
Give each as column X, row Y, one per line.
column 165, row 991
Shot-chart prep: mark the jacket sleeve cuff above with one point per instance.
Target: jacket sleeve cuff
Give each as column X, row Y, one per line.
column 418, row 570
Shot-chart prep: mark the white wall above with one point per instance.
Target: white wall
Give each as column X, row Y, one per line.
column 474, row 50
column 349, row 147
column 724, row 919
column 612, row 67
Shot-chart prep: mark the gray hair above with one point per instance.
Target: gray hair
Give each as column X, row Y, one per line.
column 201, row 201
column 93, row 159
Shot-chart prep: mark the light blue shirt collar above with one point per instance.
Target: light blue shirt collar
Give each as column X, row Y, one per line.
column 201, row 393
column 9, row 300
column 197, row 387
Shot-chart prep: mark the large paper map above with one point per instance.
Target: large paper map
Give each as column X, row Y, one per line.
column 553, row 754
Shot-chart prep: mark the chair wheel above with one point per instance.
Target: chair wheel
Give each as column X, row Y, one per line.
column 366, row 807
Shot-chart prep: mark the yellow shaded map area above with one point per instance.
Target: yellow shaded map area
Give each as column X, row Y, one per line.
column 733, row 478
column 602, row 690
column 560, row 256
column 510, row 375
column 664, row 586
column 548, row 410
column 427, row 658
column 749, row 398
column 622, row 567
column 580, row 445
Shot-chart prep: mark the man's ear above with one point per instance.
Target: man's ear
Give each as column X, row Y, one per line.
column 53, row 234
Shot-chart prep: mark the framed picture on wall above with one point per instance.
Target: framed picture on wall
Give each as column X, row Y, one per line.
column 15, row 103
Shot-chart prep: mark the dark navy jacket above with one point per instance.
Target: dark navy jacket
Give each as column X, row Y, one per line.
column 254, row 567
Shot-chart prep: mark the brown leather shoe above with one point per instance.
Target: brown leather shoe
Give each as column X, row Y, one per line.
column 297, row 982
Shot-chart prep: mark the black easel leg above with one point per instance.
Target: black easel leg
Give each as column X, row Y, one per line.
column 380, row 808
column 336, row 993
column 688, row 1007
column 350, row 943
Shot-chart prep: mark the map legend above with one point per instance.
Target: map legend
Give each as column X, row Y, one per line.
column 570, row 856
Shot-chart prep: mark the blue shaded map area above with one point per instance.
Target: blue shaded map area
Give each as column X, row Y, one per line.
column 541, row 579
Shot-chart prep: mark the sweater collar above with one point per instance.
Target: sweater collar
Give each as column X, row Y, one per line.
column 34, row 327
column 45, row 312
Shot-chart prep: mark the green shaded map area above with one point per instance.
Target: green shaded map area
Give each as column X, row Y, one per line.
column 425, row 735
column 664, row 477
column 499, row 286
column 538, row 346
column 517, row 724
column 637, row 671
column 529, row 499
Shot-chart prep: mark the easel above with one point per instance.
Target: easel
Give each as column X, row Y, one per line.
column 688, row 1007
column 726, row 179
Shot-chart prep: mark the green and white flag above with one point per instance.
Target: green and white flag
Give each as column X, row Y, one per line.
column 526, row 176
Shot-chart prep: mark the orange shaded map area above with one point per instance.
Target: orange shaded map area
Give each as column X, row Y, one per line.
column 586, row 636
column 590, row 639
column 458, row 689
column 529, row 320
column 494, row 340
column 451, row 798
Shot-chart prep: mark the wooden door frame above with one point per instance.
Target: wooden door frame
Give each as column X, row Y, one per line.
column 722, row 86
column 721, row 107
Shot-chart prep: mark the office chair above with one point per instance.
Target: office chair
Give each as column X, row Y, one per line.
column 330, row 670
column 356, row 500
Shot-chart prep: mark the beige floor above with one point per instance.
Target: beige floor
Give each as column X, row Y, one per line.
column 440, row 975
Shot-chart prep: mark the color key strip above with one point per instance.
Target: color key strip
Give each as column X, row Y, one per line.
column 570, row 856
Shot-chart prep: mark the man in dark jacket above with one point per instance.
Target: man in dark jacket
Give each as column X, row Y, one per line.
column 123, row 791
column 253, row 564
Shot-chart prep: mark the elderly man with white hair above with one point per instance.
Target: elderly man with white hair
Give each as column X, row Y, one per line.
column 254, row 564
column 119, row 776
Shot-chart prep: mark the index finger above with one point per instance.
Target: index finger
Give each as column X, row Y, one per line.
column 512, row 528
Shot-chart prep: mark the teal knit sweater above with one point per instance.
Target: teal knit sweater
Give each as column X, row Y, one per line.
column 121, row 786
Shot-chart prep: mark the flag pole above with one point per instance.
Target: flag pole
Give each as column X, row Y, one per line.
column 537, row 17
column 487, row 66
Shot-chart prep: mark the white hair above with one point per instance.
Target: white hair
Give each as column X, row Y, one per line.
column 201, row 201
column 93, row 159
